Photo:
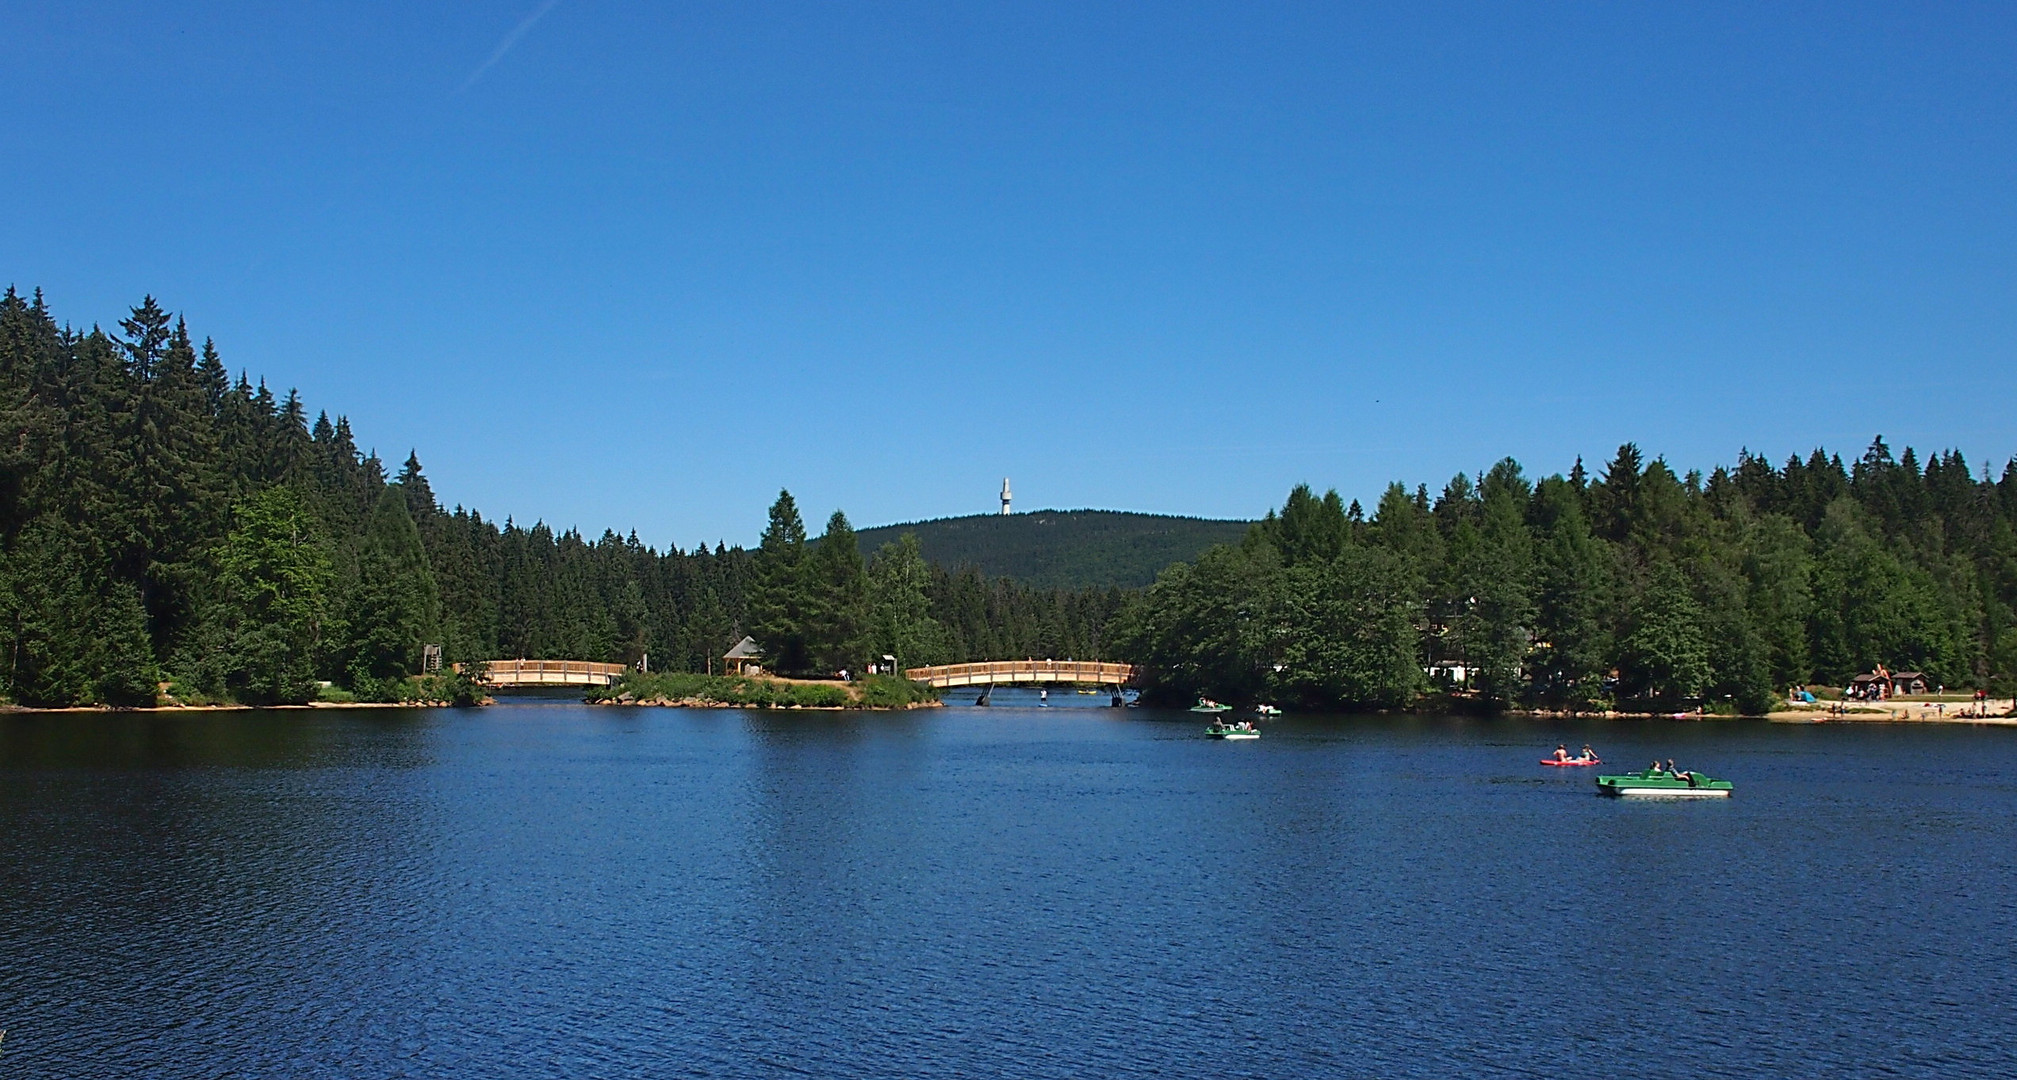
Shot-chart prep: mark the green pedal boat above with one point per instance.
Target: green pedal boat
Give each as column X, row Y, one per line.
column 1664, row 784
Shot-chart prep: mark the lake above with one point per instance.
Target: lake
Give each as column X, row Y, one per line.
column 543, row 889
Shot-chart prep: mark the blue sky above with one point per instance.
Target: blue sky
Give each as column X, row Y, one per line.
column 640, row 265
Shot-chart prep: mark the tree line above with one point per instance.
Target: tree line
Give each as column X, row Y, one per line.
column 1636, row 588
column 819, row 607
column 164, row 524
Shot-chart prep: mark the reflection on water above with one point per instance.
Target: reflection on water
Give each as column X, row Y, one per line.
column 544, row 889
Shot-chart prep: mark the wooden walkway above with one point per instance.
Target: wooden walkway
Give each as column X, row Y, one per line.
column 509, row 673
column 1025, row 673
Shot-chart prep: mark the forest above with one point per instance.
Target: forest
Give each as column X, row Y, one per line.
column 1636, row 589
column 168, row 533
column 1065, row 549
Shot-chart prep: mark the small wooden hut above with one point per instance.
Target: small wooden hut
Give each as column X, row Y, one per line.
column 745, row 659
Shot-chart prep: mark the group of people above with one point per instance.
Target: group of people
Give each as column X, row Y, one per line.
column 1562, row 753
column 1656, row 769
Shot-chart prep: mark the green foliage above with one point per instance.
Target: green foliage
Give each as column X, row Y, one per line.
column 837, row 601
column 393, row 605
column 1643, row 587
column 1349, row 633
column 900, row 610
column 688, row 688
column 274, row 575
column 893, row 692
column 1665, row 654
column 154, row 513
column 458, row 688
column 780, row 593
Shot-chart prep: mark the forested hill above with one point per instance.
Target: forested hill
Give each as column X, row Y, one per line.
column 1064, row 549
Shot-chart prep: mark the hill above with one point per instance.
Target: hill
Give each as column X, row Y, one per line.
column 1070, row 549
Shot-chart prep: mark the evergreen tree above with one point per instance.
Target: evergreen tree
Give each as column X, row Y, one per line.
column 837, row 615
column 394, row 606
column 778, row 599
column 274, row 577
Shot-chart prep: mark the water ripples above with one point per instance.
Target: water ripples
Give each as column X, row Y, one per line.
column 555, row 891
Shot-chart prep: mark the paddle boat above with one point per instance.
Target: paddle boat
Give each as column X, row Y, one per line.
column 1242, row 729
column 1207, row 705
column 1663, row 784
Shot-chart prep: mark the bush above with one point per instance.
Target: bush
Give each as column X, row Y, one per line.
column 891, row 692
column 181, row 691
column 759, row 693
column 459, row 689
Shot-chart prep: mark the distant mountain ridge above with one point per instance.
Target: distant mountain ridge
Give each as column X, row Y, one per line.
column 1066, row 549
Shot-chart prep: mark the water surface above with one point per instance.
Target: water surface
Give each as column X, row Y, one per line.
column 548, row 890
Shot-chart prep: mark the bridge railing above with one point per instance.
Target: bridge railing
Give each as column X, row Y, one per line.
column 551, row 673
column 998, row 672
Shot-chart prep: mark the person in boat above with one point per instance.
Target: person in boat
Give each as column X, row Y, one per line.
column 1654, row 769
column 1562, row 752
column 1588, row 754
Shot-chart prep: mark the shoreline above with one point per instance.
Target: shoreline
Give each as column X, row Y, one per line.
column 9, row 710
column 1994, row 712
column 1999, row 712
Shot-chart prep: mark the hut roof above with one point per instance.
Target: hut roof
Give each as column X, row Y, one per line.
column 744, row 650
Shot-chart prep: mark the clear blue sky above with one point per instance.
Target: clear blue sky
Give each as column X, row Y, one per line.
column 640, row 265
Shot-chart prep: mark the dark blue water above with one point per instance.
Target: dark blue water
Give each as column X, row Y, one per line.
column 547, row 890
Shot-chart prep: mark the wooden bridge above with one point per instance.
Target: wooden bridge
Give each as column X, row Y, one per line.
column 1025, row 672
column 505, row 674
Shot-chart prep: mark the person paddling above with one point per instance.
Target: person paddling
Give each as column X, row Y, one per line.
column 1588, row 754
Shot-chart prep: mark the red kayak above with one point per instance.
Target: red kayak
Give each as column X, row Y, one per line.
column 1571, row 761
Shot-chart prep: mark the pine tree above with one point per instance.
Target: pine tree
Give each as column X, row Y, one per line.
column 394, row 607
column 837, row 618
column 274, row 578
column 778, row 590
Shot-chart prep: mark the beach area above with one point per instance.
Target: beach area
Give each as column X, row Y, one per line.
column 1900, row 710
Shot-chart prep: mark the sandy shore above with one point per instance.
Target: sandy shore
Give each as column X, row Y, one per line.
column 1996, row 711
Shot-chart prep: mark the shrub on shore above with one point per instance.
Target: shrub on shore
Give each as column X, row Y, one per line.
column 893, row 692
column 876, row 692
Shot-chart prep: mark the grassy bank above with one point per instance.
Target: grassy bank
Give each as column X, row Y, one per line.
column 684, row 688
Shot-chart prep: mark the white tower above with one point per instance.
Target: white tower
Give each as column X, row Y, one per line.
column 1004, row 496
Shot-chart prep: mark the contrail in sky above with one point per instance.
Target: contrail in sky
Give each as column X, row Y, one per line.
column 505, row 45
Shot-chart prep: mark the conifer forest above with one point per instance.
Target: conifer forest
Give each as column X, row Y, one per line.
column 169, row 532
column 1636, row 588
column 163, row 525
